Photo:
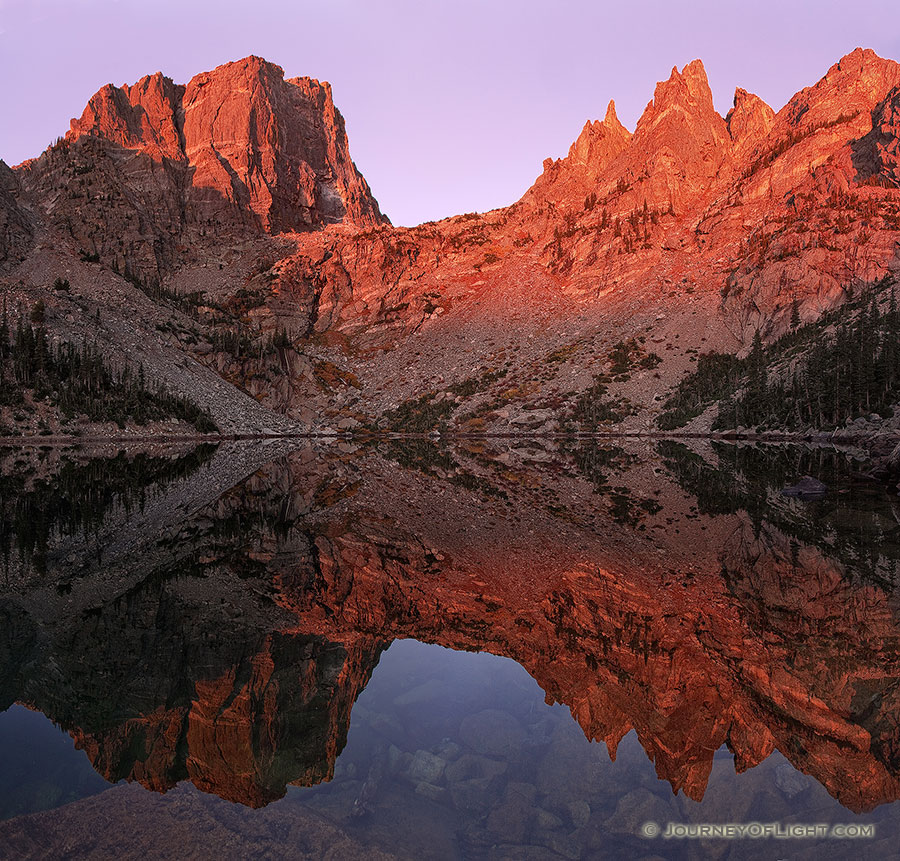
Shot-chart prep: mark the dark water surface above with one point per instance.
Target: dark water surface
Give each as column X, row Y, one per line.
column 405, row 651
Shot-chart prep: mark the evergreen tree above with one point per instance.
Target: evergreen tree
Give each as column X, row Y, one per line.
column 79, row 382
column 817, row 375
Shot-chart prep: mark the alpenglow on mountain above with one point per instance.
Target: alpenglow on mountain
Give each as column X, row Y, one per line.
column 219, row 235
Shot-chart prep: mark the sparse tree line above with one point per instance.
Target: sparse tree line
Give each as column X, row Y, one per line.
column 818, row 375
column 76, row 379
column 634, row 230
column 241, row 345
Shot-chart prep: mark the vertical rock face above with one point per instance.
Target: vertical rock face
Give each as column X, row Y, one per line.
column 15, row 228
column 275, row 147
column 143, row 116
column 680, row 143
column 876, row 156
column 248, row 140
column 749, row 121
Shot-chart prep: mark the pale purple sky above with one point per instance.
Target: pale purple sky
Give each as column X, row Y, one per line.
column 450, row 106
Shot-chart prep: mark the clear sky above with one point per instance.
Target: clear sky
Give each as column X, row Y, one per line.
column 450, row 106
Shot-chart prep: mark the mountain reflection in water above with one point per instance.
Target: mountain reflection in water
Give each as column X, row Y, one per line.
column 212, row 616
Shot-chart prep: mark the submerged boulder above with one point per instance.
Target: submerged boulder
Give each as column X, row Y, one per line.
column 807, row 488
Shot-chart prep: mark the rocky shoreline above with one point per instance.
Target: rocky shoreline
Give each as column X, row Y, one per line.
column 877, row 448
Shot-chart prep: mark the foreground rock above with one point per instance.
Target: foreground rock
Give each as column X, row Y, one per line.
column 806, row 488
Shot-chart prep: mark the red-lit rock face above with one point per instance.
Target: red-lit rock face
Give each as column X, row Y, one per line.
column 749, row 123
column 143, row 116
column 737, row 217
column 694, row 227
column 595, row 149
column 741, row 204
column 273, row 148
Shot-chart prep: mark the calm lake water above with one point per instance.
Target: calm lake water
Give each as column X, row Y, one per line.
column 503, row 649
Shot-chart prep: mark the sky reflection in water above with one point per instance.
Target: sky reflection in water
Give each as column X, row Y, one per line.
column 658, row 589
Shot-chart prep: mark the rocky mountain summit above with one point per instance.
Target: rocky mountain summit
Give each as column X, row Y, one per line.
column 225, row 215
column 246, row 137
column 238, row 147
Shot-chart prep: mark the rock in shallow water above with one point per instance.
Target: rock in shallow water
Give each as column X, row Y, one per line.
column 492, row 732
column 790, row 781
column 425, row 767
column 806, row 488
column 580, row 813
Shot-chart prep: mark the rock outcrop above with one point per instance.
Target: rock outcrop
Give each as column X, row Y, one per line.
column 749, row 122
column 16, row 232
column 274, row 149
column 680, row 145
column 595, row 149
column 148, row 171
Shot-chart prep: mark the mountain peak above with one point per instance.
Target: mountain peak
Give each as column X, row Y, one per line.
column 611, row 118
column 749, row 121
column 680, row 142
column 859, row 60
column 141, row 116
column 687, row 88
column 612, row 123
column 861, row 71
column 600, row 141
column 250, row 67
column 274, row 149
column 845, row 93
column 695, row 74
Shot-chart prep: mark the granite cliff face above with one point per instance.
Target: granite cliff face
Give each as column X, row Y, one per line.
column 274, row 149
column 749, row 123
column 16, row 232
column 689, row 234
column 239, row 147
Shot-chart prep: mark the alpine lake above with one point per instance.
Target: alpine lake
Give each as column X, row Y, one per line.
column 502, row 648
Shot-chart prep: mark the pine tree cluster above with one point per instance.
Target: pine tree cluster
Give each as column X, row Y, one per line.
column 77, row 499
column 78, row 381
column 818, row 375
